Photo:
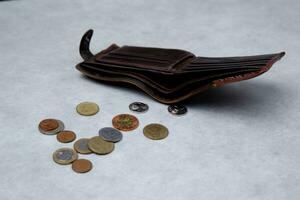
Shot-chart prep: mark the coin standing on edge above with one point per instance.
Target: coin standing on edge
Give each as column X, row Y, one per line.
column 110, row 134
column 82, row 165
column 87, row 108
column 64, row 156
column 81, row 146
column 155, row 131
column 100, row 146
column 66, row 136
column 125, row 122
column 138, row 107
column 60, row 128
column 177, row 109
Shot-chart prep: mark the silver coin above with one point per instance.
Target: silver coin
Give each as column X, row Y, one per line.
column 110, row 134
column 138, row 107
column 177, row 109
column 64, row 156
column 60, row 128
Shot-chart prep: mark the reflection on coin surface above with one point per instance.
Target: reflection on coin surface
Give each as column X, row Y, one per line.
column 138, row 107
column 110, row 134
column 64, row 156
column 81, row 146
column 82, row 165
column 100, row 146
column 60, row 128
column 48, row 124
column 177, row 109
column 66, row 136
column 125, row 122
column 87, row 108
column 155, row 131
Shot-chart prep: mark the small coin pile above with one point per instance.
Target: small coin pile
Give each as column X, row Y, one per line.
column 104, row 142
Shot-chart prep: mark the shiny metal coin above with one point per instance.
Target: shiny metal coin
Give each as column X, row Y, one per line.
column 100, row 146
column 48, row 124
column 87, row 108
column 177, row 109
column 81, row 146
column 125, row 122
column 110, row 134
column 60, row 128
column 155, row 131
column 138, row 107
column 64, row 156
column 82, row 165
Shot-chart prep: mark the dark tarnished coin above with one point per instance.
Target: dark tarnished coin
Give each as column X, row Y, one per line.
column 64, row 156
column 87, row 108
column 81, row 146
column 82, row 165
column 66, row 136
column 177, row 109
column 60, row 128
column 48, row 124
column 138, row 107
column 110, row 134
column 125, row 122
column 100, row 146
column 155, row 131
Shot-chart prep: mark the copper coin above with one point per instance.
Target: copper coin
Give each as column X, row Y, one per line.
column 48, row 124
column 66, row 136
column 60, row 128
column 82, row 165
column 125, row 122
column 100, row 146
column 81, row 146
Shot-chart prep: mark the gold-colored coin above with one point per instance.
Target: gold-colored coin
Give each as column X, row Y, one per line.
column 100, row 146
column 125, row 122
column 87, row 108
column 64, row 156
column 155, row 131
column 81, row 146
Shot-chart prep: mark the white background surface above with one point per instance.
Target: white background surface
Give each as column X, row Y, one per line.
column 237, row 142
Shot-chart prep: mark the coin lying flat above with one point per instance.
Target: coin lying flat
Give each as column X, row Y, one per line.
column 87, row 108
column 155, row 131
column 177, row 109
column 110, row 134
column 66, row 136
column 81, row 146
column 64, row 156
column 100, row 146
column 125, row 122
column 48, row 124
column 138, row 107
column 60, row 128
column 82, row 165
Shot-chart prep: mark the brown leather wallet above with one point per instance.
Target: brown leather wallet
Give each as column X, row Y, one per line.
column 168, row 75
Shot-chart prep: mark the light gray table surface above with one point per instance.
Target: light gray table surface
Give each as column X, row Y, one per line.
column 239, row 142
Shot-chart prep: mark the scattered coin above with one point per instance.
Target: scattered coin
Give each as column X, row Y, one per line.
column 155, row 131
column 48, row 124
column 138, row 107
column 125, row 122
column 81, row 146
column 87, row 108
column 64, row 156
column 100, row 146
column 177, row 109
column 82, row 165
column 66, row 136
column 110, row 134
column 60, row 128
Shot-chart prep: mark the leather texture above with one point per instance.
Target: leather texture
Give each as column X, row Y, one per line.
column 168, row 75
